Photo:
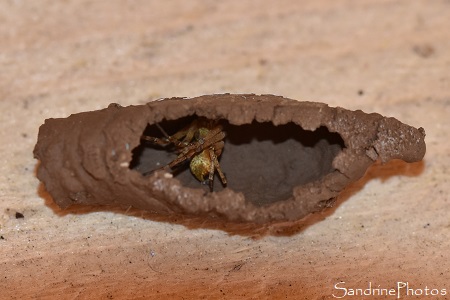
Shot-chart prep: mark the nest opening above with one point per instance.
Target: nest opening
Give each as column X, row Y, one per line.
column 263, row 161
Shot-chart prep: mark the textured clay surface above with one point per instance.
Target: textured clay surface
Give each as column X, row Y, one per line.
column 284, row 159
column 61, row 57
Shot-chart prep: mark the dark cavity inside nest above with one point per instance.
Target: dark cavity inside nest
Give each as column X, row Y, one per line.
column 263, row 161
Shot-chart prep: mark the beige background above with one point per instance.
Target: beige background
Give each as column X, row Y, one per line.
column 63, row 57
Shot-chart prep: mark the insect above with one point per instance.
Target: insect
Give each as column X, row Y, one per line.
column 202, row 143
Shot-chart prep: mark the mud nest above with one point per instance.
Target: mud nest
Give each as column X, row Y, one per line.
column 283, row 159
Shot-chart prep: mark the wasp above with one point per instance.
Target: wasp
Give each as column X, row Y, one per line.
column 201, row 142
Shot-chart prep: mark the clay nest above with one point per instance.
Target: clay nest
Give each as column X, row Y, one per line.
column 283, row 159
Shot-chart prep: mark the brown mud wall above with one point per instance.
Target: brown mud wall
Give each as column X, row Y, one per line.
column 284, row 159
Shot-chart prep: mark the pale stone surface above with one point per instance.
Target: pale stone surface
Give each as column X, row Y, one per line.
column 391, row 57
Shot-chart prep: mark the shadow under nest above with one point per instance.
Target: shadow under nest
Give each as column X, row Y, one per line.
column 262, row 161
